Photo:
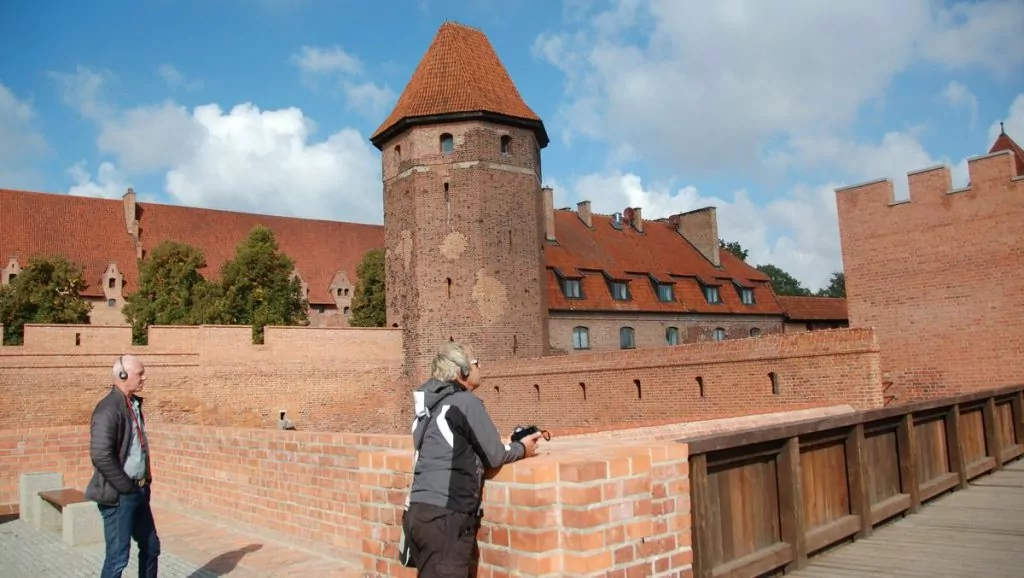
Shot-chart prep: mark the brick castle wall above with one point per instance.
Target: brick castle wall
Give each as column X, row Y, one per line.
column 326, row 379
column 940, row 277
column 34, row 449
column 348, row 379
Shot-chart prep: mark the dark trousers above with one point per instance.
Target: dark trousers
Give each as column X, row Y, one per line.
column 443, row 542
column 130, row 519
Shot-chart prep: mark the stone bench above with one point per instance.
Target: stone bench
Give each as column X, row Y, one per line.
column 47, row 505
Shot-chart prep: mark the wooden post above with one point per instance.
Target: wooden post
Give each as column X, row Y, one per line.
column 1017, row 409
column 857, row 478
column 700, row 501
column 907, row 450
column 992, row 438
column 791, row 503
column 955, row 446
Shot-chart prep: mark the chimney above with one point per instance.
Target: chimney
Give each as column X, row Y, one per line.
column 549, row 213
column 700, row 228
column 583, row 210
column 131, row 220
column 636, row 219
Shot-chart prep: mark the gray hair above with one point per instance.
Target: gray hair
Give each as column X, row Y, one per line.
column 450, row 361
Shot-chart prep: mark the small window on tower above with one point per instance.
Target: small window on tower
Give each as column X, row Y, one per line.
column 447, row 143
column 506, row 144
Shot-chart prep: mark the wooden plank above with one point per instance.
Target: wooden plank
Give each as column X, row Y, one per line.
column 955, row 446
column 700, row 495
column 61, row 498
column 856, row 477
column 992, row 441
column 791, row 502
column 908, row 462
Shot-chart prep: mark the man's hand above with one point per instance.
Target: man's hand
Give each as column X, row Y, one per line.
column 530, row 443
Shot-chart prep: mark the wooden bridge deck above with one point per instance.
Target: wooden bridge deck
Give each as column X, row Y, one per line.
column 976, row 532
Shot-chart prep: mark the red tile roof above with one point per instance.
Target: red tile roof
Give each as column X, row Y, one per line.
column 813, row 308
column 90, row 231
column 460, row 73
column 660, row 252
column 1004, row 143
column 318, row 248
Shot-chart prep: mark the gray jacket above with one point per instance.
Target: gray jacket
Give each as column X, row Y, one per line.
column 109, row 440
column 460, row 442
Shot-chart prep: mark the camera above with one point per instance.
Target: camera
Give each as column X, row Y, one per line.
column 521, row 432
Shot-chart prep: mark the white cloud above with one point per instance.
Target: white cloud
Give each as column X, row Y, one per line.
column 21, row 141
column 246, row 159
column 176, row 79
column 957, row 94
column 343, row 70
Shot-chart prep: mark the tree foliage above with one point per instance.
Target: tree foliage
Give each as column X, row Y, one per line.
column 782, row 282
column 369, row 308
column 735, row 248
column 48, row 290
column 258, row 288
column 171, row 290
column 836, row 286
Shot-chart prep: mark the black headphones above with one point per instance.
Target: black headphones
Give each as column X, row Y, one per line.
column 123, row 374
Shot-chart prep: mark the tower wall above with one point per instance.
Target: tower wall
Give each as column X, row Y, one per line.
column 464, row 237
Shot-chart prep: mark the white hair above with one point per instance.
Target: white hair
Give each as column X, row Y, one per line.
column 450, row 362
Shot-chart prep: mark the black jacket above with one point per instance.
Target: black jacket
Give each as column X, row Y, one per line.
column 109, row 439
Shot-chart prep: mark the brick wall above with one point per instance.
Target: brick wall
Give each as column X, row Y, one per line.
column 326, row 379
column 56, row 449
column 649, row 329
column 811, row 369
column 940, row 277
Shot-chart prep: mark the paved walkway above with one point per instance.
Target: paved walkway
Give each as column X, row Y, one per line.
column 975, row 532
column 191, row 548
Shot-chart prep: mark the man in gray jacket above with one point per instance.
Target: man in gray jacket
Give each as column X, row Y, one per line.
column 459, row 442
column 120, row 484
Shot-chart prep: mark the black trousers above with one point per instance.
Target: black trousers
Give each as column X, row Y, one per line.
column 443, row 542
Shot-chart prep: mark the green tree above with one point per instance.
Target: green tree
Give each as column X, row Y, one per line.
column 171, row 290
column 783, row 283
column 735, row 248
column 836, row 286
column 369, row 308
column 48, row 290
column 257, row 286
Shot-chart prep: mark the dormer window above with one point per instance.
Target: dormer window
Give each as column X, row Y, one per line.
column 506, row 144
column 665, row 293
column 447, row 143
column 711, row 294
column 572, row 288
column 620, row 292
column 747, row 295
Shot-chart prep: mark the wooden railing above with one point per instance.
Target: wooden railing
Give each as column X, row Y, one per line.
column 765, row 500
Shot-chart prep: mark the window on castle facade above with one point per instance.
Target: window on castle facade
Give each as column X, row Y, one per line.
column 506, row 144
column 580, row 338
column 619, row 291
column 626, row 338
column 718, row 334
column 747, row 296
column 572, row 288
column 755, row 332
column 672, row 336
column 711, row 294
column 665, row 292
column 447, row 143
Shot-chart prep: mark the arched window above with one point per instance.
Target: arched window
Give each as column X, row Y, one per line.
column 755, row 332
column 718, row 334
column 447, row 143
column 580, row 338
column 672, row 335
column 626, row 338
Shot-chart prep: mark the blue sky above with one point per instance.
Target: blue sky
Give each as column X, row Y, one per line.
column 267, row 105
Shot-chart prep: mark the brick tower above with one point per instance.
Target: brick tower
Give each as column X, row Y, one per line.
column 463, row 207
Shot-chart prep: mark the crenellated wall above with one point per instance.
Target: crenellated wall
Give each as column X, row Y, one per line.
column 325, row 378
column 940, row 276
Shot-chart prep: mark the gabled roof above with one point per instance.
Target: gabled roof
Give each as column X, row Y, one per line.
column 89, row 231
column 659, row 253
column 460, row 74
column 318, row 248
column 1004, row 143
column 813, row 308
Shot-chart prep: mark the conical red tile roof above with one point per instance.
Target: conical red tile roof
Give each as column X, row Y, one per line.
column 460, row 74
column 1005, row 143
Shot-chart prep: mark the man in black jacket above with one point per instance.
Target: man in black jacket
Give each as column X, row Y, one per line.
column 457, row 442
column 120, row 484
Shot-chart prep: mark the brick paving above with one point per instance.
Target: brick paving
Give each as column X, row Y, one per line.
column 191, row 548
